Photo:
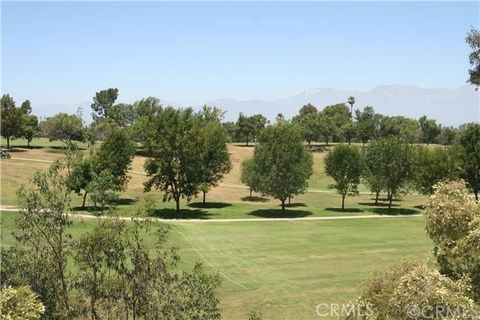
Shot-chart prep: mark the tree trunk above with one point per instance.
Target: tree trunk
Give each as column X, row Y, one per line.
column 8, row 142
column 376, row 197
column 204, row 193
column 283, row 205
column 250, row 192
column 28, row 144
column 177, row 206
column 476, row 195
column 289, row 198
column 390, row 197
column 343, row 201
column 84, row 199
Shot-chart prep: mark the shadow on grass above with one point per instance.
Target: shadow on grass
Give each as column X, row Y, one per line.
column 344, row 210
column 295, row 205
column 125, row 201
column 254, row 199
column 317, row 148
column 209, row 205
column 92, row 209
column 183, row 214
column 379, row 204
column 15, row 149
column 278, row 213
column 394, row 211
column 420, row 207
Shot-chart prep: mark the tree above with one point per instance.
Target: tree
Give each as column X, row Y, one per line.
column 20, row 303
column 213, row 156
column 367, row 124
column 431, row 167
column 249, row 127
column 413, row 290
column 30, row 129
column 453, row 223
column 351, row 102
column 307, row 120
column 447, row 136
column 103, row 102
column 393, row 166
column 105, row 172
column 63, row 127
column 42, row 222
column 473, row 40
column 469, row 154
column 26, row 107
column 333, row 119
column 344, row 165
column 402, row 127
column 430, row 129
column 12, row 119
column 174, row 145
column 281, row 162
column 248, row 176
column 115, row 156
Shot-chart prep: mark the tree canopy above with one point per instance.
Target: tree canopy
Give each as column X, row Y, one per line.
column 281, row 162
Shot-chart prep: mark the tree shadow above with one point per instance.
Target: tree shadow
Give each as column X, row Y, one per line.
column 250, row 145
column 379, row 204
column 125, row 201
column 386, row 200
column 92, row 209
column 395, row 211
column 209, row 205
column 295, row 205
column 254, row 199
column 344, row 210
column 168, row 213
column 420, row 207
column 15, row 150
column 316, row 148
column 278, row 213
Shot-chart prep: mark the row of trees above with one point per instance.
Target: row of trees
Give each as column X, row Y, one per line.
column 393, row 166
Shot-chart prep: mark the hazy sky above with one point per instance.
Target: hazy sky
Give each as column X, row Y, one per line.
column 61, row 53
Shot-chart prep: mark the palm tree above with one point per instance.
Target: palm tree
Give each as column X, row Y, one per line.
column 351, row 102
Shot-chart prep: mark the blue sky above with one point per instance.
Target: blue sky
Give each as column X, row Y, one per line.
column 62, row 52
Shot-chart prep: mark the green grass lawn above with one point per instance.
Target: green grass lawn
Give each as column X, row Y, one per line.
column 287, row 267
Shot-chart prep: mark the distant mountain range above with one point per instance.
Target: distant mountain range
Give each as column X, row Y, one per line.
column 448, row 106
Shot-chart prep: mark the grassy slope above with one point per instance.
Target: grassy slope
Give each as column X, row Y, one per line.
column 289, row 267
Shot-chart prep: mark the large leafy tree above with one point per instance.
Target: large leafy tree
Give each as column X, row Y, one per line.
column 393, row 166
column 469, row 154
column 344, row 164
column 333, row 118
column 367, row 124
column 103, row 102
column 401, row 127
column 433, row 165
column 281, row 162
column 307, row 120
column 429, row 129
column 473, row 39
column 213, row 155
column 105, row 172
column 248, row 127
column 30, row 128
column 63, row 127
column 248, row 176
column 174, row 144
column 12, row 119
